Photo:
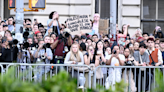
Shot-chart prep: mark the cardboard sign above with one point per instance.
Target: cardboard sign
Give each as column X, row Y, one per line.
column 79, row 24
column 103, row 26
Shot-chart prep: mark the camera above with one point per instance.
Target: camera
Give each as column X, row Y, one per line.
column 103, row 63
column 25, row 45
column 25, row 35
column 13, row 42
column 114, row 52
column 159, row 34
column 129, row 63
column 66, row 34
column 43, row 57
column 47, row 45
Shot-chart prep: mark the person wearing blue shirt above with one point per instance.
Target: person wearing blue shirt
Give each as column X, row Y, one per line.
column 53, row 23
column 10, row 24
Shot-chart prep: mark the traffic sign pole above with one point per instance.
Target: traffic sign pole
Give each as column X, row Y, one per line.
column 19, row 15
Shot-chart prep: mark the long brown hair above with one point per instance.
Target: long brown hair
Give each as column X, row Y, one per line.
column 154, row 32
column 123, row 29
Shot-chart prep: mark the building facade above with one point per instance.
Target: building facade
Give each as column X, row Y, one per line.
column 144, row 14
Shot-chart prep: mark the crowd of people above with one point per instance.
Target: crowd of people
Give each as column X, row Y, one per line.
column 55, row 45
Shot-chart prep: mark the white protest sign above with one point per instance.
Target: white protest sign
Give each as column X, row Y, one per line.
column 79, row 24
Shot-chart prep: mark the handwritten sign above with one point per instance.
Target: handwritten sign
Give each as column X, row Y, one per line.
column 103, row 26
column 79, row 24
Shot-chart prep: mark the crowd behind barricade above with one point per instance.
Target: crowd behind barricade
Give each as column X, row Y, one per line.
column 55, row 45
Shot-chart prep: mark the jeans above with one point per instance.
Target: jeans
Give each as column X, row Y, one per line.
column 58, row 61
column 146, row 81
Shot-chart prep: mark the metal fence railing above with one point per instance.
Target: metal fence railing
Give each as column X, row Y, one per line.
column 38, row 72
column 138, row 78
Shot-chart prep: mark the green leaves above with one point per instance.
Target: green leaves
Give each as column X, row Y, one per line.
column 159, row 81
column 61, row 82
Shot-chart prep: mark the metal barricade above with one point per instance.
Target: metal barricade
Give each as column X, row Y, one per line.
column 138, row 78
column 37, row 72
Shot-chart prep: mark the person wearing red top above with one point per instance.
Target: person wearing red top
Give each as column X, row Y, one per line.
column 61, row 46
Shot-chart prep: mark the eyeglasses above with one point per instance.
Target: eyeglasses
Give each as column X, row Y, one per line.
column 91, row 49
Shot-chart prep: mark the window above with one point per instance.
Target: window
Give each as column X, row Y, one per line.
column 103, row 8
column 152, row 15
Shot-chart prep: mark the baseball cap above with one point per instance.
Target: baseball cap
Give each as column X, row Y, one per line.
column 37, row 32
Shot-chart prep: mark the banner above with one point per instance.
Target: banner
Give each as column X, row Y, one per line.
column 79, row 24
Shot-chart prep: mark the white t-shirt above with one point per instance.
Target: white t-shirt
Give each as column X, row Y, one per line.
column 2, row 33
column 115, row 60
column 115, row 73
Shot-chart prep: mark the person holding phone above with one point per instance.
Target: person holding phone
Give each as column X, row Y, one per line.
column 88, row 57
column 53, row 22
column 115, row 59
column 99, row 54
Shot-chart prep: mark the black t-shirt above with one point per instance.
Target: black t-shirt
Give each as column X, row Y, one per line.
column 91, row 61
column 6, row 54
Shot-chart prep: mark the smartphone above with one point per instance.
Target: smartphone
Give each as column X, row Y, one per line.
column 98, row 52
column 35, row 20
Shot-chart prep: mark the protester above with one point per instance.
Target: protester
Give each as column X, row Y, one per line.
column 107, row 51
column 75, row 56
column 92, row 48
column 95, row 25
column 136, row 46
column 142, row 59
column 129, row 61
column 88, row 59
column 35, row 28
column 53, row 22
column 115, row 59
column 10, row 24
column 89, row 41
column 83, row 48
column 9, row 52
column 43, row 56
column 38, row 35
column 46, row 39
column 138, row 33
column 155, row 55
column 95, row 38
column 61, row 45
column 99, row 54
column 145, row 35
